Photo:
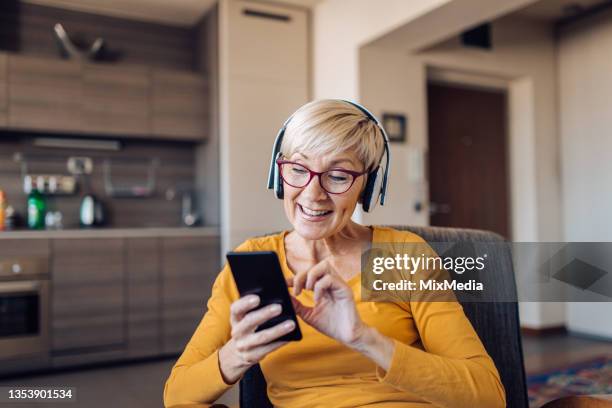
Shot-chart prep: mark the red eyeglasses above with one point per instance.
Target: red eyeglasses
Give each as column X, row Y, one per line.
column 334, row 181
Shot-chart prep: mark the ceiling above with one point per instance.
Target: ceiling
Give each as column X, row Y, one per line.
column 173, row 12
column 552, row 10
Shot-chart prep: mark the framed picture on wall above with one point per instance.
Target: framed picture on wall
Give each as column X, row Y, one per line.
column 395, row 125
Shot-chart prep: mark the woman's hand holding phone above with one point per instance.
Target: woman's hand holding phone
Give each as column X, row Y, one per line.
column 246, row 346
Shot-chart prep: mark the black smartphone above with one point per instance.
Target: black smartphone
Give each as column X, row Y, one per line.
column 260, row 273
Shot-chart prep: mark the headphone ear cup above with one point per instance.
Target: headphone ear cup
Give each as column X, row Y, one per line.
column 369, row 195
column 278, row 182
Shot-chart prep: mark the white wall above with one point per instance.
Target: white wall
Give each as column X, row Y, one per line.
column 393, row 82
column 523, row 57
column 340, row 27
column 585, row 85
column 263, row 79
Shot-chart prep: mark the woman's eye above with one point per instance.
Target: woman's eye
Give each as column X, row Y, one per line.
column 338, row 177
column 298, row 170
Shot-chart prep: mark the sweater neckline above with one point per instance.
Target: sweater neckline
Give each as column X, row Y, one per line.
column 285, row 264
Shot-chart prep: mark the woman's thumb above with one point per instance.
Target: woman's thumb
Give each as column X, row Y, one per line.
column 300, row 309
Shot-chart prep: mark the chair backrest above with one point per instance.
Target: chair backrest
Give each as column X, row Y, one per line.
column 496, row 323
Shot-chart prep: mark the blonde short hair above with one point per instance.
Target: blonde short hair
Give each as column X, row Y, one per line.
column 330, row 126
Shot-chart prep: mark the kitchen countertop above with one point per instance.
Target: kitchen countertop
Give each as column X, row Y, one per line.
column 212, row 231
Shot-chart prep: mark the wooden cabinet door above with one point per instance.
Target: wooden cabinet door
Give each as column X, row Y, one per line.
column 116, row 100
column 189, row 268
column 44, row 94
column 24, row 249
column 179, row 105
column 3, row 90
column 143, row 303
column 88, row 296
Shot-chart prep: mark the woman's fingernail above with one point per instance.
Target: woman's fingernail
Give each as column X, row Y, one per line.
column 289, row 325
column 276, row 308
column 254, row 300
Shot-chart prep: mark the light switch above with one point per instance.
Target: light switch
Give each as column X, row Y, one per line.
column 415, row 160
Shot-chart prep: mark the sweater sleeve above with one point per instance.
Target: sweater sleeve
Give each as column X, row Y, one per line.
column 450, row 367
column 196, row 376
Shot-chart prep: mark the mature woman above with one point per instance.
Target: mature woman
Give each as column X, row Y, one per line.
column 353, row 353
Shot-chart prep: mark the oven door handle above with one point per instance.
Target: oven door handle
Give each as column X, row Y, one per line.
column 10, row 287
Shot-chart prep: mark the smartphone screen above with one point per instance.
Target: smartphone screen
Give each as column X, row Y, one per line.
column 260, row 273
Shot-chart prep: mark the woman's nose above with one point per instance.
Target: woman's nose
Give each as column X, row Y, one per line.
column 313, row 190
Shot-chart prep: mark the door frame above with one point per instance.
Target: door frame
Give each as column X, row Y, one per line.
column 520, row 142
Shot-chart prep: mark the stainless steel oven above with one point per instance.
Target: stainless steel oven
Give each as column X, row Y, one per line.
column 24, row 307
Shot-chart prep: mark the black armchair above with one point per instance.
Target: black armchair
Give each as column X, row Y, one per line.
column 497, row 323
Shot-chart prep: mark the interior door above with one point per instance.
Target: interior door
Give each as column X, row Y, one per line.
column 468, row 158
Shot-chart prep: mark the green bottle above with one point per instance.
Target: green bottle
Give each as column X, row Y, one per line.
column 37, row 207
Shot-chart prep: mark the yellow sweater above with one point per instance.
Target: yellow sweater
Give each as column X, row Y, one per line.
column 438, row 359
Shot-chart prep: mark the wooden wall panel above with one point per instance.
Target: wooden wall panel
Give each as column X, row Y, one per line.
column 176, row 172
column 137, row 42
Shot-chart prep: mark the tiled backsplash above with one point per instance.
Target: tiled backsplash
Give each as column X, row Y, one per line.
column 174, row 175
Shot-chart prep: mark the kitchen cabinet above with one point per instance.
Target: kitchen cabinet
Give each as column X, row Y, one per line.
column 167, row 282
column 116, row 297
column 3, row 90
column 115, row 100
column 44, row 94
column 143, row 272
column 179, row 105
column 32, row 253
column 88, row 295
column 55, row 95
column 189, row 268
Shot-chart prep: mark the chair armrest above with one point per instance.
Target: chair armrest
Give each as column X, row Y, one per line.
column 581, row 401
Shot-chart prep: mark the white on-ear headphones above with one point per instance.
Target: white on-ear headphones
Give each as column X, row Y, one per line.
column 377, row 179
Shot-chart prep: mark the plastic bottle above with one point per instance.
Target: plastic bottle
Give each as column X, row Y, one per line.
column 2, row 209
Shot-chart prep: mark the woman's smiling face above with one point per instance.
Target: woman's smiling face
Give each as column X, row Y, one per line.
column 313, row 212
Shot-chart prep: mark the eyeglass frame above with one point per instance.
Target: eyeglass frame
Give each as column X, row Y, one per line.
column 312, row 173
